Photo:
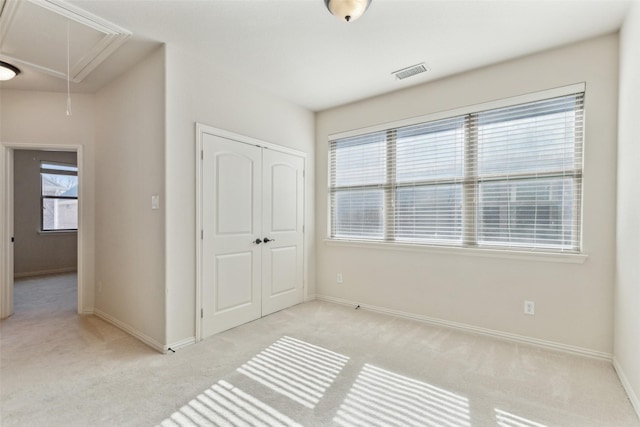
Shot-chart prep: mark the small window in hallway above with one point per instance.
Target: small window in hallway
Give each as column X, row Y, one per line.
column 59, row 196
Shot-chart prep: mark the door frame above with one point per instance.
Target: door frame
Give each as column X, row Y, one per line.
column 201, row 130
column 6, row 228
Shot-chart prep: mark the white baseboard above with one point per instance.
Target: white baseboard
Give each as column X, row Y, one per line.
column 130, row 330
column 88, row 311
column 179, row 344
column 45, row 272
column 476, row 330
column 633, row 397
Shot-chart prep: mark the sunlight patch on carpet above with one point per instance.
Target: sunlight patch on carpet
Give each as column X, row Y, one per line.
column 506, row 419
column 381, row 397
column 226, row 405
column 296, row 369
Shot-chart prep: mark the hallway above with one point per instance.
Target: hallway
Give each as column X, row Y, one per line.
column 46, row 295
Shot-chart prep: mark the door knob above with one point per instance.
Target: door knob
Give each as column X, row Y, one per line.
column 258, row 241
column 267, row 240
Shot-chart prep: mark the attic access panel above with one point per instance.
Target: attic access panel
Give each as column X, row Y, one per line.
column 33, row 34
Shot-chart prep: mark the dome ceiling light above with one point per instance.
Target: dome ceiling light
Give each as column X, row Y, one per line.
column 347, row 10
column 8, row 71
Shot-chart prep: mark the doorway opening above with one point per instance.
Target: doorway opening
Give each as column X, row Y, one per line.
column 42, row 233
column 45, row 213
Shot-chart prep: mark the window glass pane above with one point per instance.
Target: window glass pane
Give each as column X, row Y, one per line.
column 431, row 213
column 59, row 185
column 534, row 137
column 59, row 214
column 534, row 213
column 360, row 161
column 359, row 213
column 430, row 151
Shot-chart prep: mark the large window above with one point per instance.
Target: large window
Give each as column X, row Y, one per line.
column 509, row 177
column 59, row 196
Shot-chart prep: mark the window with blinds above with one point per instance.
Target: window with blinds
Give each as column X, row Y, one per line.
column 503, row 178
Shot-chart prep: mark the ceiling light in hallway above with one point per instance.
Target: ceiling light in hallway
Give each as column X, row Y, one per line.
column 8, row 71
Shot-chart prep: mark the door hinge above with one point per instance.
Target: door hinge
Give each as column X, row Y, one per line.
column 201, row 234
column 201, row 313
column 201, row 154
column 303, row 228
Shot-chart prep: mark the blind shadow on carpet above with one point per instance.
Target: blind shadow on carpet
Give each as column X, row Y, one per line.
column 295, row 383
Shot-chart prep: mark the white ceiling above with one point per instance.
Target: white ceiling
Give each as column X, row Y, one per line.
column 296, row 50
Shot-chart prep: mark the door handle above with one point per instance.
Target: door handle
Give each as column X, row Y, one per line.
column 257, row 241
column 267, row 240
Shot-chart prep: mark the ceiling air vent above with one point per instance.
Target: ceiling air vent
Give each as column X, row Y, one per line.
column 410, row 71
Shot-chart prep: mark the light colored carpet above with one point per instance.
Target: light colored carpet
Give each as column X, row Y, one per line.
column 313, row 364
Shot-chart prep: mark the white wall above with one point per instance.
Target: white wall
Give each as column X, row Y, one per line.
column 39, row 118
column 627, row 296
column 574, row 302
column 36, row 252
column 197, row 92
column 130, row 133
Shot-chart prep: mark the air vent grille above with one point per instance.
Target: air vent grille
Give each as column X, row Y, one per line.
column 410, row 71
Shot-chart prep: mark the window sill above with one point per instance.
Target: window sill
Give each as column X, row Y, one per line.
column 56, row 232
column 566, row 258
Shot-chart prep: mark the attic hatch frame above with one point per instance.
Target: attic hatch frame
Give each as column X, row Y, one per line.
column 113, row 37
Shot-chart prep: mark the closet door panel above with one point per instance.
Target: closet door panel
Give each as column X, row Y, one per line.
column 231, row 218
column 283, row 215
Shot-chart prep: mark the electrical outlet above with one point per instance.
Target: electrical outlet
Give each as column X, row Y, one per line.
column 339, row 278
column 529, row 308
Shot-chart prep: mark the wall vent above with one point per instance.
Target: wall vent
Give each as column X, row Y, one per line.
column 410, row 71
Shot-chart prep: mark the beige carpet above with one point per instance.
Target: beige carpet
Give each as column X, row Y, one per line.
column 313, row 364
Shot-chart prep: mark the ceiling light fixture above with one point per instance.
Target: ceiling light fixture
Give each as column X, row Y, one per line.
column 347, row 10
column 8, row 71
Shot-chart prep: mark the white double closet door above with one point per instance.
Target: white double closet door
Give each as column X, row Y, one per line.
column 252, row 234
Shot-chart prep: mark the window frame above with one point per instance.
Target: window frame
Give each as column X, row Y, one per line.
column 66, row 169
column 470, row 215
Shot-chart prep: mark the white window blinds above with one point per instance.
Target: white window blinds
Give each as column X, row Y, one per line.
column 529, row 168
column 502, row 178
column 359, row 180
